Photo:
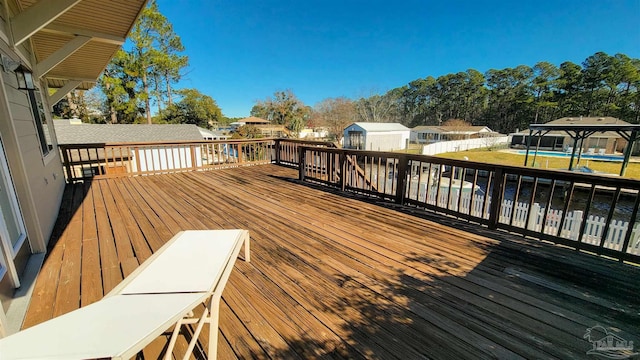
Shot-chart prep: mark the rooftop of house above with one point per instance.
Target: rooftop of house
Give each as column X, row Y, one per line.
column 253, row 120
column 594, row 120
column 72, row 132
column 374, row 126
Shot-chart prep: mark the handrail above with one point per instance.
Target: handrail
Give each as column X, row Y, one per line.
column 560, row 206
column 85, row 161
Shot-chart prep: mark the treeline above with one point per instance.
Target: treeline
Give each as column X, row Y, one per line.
column 512, row 98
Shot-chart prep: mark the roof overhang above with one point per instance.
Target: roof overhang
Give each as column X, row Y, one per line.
column 72, row 40
column 587, row 127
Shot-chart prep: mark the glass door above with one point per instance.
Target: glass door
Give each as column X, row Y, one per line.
column 12, row 229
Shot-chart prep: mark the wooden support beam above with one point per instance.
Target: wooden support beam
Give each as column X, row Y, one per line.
column 68, row 87
column 36, row 17
column 94, row 35
column 61, row 54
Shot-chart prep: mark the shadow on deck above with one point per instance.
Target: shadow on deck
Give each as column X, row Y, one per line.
column 337, row 277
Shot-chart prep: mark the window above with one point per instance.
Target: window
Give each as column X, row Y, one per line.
column 40, row 118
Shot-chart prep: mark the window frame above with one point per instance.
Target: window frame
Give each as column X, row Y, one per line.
column 37, row 105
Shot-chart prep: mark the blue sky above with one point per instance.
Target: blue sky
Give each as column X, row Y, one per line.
column 243, row 51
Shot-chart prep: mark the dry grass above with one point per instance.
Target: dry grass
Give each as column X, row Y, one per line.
column 544, row 162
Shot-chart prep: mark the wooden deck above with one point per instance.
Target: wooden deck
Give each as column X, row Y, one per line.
column 336, row 277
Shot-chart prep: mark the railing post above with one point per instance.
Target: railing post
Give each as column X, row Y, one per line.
column 67, row 164
column 194, row 158
column 343, row 169
column 277, row 150
column 496, row 199
column 403, row 164
column 301, row 160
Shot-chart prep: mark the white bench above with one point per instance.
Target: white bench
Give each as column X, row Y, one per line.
column 191, row 269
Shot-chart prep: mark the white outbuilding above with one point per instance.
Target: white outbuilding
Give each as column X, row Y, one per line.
column 376, row 136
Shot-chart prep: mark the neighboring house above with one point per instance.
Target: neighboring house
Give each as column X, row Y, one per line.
column 266, row 128
column 213, row 134
column 608, row 142
column 376, row 136
column 165, row 157
column 433, row 134
column 251, row 120
column 315, row 133
column 70, row 132
column 57, row 46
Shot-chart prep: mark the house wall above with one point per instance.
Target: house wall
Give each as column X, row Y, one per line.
column 38, row 181
column 386, row 141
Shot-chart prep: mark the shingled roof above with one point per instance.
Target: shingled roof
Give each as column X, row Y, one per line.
column 380, row 127
column 580, row 120
column 80, row 133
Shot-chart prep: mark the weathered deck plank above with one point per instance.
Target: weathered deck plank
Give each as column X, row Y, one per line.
column 336, row 277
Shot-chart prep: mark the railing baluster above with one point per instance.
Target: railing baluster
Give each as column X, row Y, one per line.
column 515, row 200
column 632, row 223
column 472, row 198
column 531, row 202
column 607, row 226
column 587, row 209
column 568, row 198
column 496, row 198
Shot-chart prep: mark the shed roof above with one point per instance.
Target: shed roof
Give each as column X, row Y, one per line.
column 380, row 127
column 68, row 133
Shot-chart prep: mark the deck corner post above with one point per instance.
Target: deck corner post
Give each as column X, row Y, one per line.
column 496, row 199
column 343, row 170
column 301, row 162
column 276, row 147
column 403, row 164
column 67, row 163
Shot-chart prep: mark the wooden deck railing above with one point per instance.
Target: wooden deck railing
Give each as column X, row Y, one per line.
column 594, row 213
column 83, row 161
column 286, row 150
column 589, row 212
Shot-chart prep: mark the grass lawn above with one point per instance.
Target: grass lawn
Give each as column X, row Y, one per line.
column 544, row 162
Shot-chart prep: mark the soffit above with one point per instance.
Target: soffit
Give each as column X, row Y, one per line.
column 106, row 22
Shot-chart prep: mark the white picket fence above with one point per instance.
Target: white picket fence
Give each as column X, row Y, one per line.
column 462, row 145
column 538, row 222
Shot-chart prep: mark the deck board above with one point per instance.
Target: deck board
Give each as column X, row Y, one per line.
column 338, row 277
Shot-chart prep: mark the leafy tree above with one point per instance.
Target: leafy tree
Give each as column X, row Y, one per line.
column 149, row 60
column 457, row 126
column 375, row 108
column 509, row 97
column 284, row 108
column 120, row 88
column 596, row 71
column 569, row 93
column 247, row 132
column 336, row 114
column 193, row 108
column 545, row 82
